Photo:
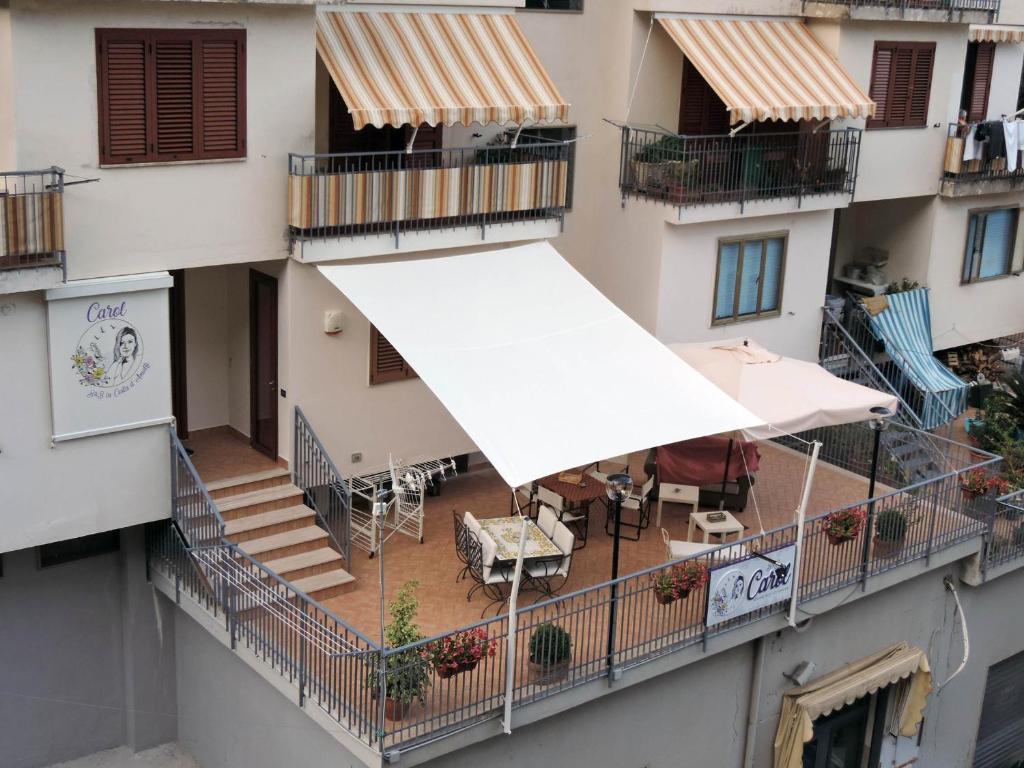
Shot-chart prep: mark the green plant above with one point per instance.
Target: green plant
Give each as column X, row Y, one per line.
column 459, row 651
column 903, row 284
column 680, row 580
column 844, row 524
column 406, row 672
column 665, row 149
column 550, row 645
column 891, row 524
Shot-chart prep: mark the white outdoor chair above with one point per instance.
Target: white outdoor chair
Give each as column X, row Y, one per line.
column 578, row 518
column 677, row 550
column 471, row 523
column 547, row 520
column 488, row 578
column 523, row 498
column 637, row 501
column 543, row 572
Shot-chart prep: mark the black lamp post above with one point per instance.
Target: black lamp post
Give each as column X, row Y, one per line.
column 619, row 486
column 878, row 425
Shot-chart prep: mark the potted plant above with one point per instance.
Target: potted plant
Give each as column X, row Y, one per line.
column 975, row 483
column 406, row 672
column 843, row 525
column 652, row 163
column 890, row 529
column 677, row 582
column 550, row 654
column 459, row 652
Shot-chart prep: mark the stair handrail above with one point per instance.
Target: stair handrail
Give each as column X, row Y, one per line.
column 196, row 520
column 335, row 481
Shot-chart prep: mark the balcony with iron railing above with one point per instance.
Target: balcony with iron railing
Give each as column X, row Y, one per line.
column 961, row 11
column 350, row 196
column 32, row 221
column 685, row 171
column 982, row 174
column 325, row 651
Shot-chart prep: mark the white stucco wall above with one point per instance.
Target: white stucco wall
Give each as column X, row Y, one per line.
column 687, row 283
column 50, row 493
column 137, row 219
column 904, row 228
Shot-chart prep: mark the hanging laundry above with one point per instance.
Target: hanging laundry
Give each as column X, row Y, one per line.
column 1010, row 135
column 981, row 132
column 996, row 139
column 972, row 147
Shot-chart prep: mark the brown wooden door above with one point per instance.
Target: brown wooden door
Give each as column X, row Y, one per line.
column 179, row 391
column 263, row 363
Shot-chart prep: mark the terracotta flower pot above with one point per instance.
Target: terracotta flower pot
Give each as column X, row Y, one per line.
column 546, row 674
column 969, row 495
column 887, row 548
column 836, row 540
column 468, row 666
column 445, row 672
column 664, row 598
column 395, row 709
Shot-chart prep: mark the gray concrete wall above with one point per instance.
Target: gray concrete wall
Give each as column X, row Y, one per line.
column 84, row 665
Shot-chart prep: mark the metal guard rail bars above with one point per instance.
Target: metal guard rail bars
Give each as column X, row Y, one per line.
column 191, row 506
column 322, row 485
column 699, row 170
column 338, row 668
column 956, row 169
column 32, row 219
column 394, row 192
column 1005, row 540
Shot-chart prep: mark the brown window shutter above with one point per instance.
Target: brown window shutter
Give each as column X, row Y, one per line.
column 980, row 86
column 121, row 84
column 386, row 364
column 223, row 95
column 173, row 68
column 921, row 86
column 701, row 111
column 881, row 74
column 901, row 77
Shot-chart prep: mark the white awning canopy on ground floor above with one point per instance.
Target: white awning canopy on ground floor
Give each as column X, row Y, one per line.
column 540, row 369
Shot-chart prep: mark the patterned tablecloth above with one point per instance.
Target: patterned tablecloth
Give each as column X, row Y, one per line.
column 589, row 489
column 505, row 532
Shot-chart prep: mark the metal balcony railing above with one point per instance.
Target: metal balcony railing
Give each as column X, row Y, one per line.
column 990, row 7
column 708, row 170
column 984, row 168
column 392, row 193
column 323, row 486
column 1005, row 540
column 32, row 219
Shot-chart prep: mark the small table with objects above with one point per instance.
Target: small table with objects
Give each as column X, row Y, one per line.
column 504, row 531
column 724, row 527
column 677, row 494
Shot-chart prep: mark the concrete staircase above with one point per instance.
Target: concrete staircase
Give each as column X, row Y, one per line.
column 265, row 516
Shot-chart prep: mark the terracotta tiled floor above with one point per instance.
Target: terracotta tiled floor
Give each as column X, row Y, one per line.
column 221, row 452
column 433, row 564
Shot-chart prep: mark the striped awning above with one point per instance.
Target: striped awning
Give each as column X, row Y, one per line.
column 768, row 70
column 995, row 33
column 413, row 68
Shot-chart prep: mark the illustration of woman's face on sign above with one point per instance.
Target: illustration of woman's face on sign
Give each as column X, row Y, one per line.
column 108, row 354
column 126, row 344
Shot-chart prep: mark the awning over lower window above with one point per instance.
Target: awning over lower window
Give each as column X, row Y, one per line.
column 995, row 33
column 413, row 68
column 768, row 70
column 802, row 706
column 540, row 369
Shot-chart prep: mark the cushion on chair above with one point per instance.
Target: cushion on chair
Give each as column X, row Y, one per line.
column 546, row 520
column 470, row 522
column 681, row 549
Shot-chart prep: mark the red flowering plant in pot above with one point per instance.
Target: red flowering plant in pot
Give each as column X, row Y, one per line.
column 677, row 582
column 458, row 652
column 978, row 482
column 843, row 525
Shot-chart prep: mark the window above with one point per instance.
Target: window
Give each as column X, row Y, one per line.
column 555, row 5
column 748, row 283
column 558, row 133
column 850, row 737
column 991, row 236
column 701, row 110
column 1001, row 726
column 901, row 79
column 77, row 549
column 977, row 80
column 167, row 95
column 386, row 364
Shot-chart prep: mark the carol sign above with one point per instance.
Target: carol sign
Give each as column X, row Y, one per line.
column 736, row 589
column 109, row 355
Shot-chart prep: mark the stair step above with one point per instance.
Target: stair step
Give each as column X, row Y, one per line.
column 281, row 545
column 326, row 585
column 257, row 526
column 296, row 567
column 263, row 500
column 254, row 481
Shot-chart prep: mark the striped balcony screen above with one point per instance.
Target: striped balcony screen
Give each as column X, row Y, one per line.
column 31, row 225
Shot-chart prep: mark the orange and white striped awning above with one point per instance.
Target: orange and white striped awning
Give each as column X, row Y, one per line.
column 995, row 33
column 413, row 68
column 768, row 70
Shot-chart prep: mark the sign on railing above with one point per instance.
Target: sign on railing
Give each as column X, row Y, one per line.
column 738, row 588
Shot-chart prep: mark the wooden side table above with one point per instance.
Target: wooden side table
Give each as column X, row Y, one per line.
column 729, row 525
column 677, row 494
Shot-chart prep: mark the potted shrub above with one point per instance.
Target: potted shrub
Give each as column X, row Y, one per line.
column 652, row 163
column 550, row 654
column 677, row 582
column 890, row 529
column 406, row 673
column 976, row 483
column 459, row 652
column 843, row 525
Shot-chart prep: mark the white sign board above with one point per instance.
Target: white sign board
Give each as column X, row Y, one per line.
column 736, row 589
column 109, row 343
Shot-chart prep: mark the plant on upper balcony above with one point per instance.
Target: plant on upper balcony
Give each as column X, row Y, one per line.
column 550, row 654
column 843, row 525
column 978, row 482
column 459, row 652
column 890, row 530
column 406, row 673
column 666, row 149
column 677, row 582
column 901, row 285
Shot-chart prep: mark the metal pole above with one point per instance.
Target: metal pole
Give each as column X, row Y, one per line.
column 510, row 648
column 380, row 508
column 614, row 585
column 800, row 517
column 869, row 528
column 725, row 474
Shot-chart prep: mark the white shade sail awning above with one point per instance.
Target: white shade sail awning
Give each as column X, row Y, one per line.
column 788, row 395
column 413, row 68
column 769, row 70
column 540, row 369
